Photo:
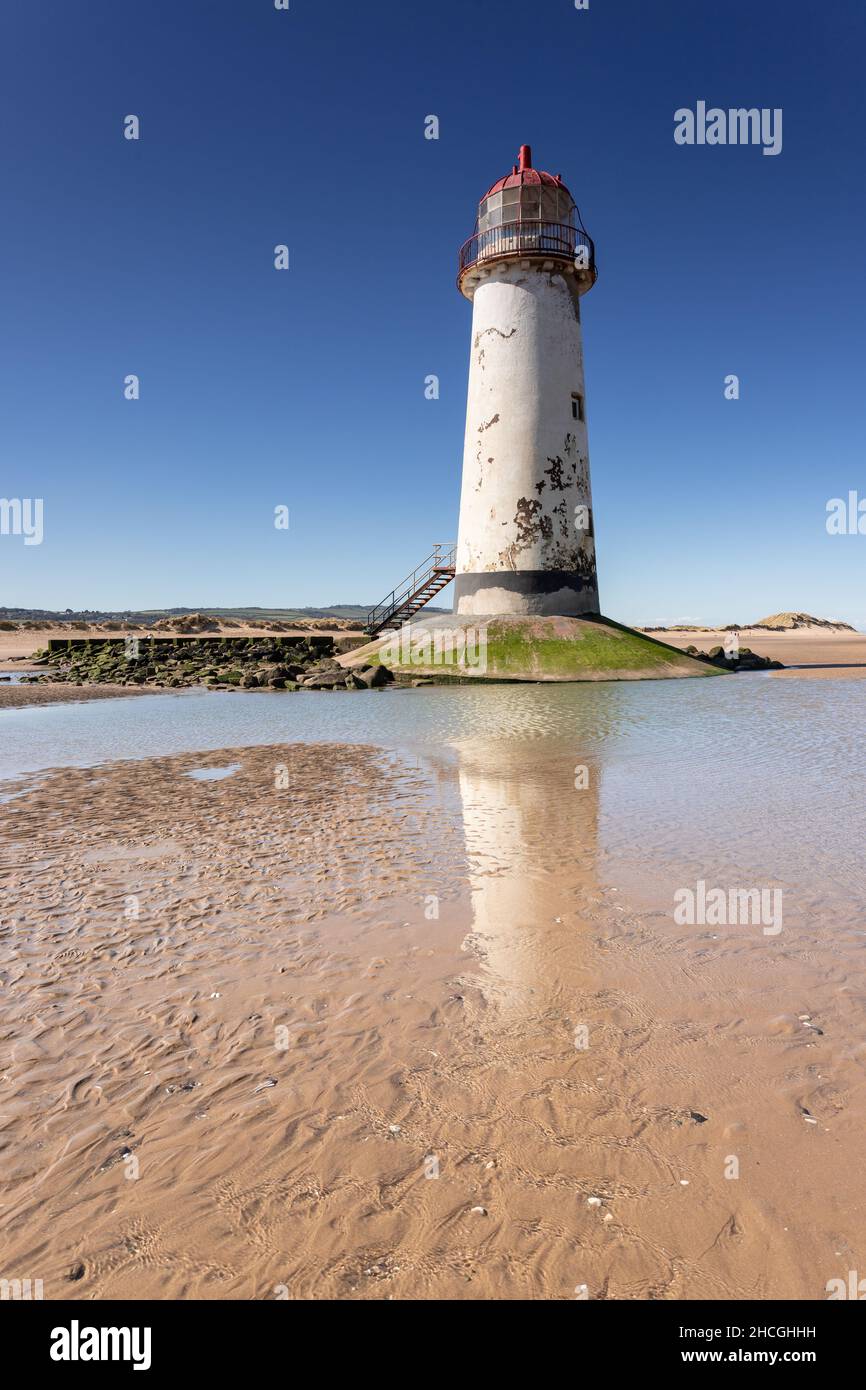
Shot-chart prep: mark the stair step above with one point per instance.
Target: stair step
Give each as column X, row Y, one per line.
column 430, row 581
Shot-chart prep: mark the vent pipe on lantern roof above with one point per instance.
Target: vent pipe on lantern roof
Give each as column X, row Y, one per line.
column 525, row 157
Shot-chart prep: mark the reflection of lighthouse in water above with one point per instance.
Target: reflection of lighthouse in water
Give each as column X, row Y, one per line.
column 526, row 541
column 530, row 824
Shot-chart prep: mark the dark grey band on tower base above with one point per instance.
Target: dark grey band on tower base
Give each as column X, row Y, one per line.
column 562, row 593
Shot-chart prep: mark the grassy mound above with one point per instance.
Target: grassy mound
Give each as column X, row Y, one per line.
column 526, row 649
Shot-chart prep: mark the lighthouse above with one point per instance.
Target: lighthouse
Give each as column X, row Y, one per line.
column 526, row 594
column 526, row 543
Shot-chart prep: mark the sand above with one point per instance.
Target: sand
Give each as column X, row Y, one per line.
column 59, row 692
column 844, row 652
column 315, row 1030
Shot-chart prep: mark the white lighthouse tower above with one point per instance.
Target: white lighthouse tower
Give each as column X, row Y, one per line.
column 526, row 539
column 525, row 552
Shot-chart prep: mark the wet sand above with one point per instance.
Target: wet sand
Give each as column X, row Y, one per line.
column 284, row 1033
column 58, row 692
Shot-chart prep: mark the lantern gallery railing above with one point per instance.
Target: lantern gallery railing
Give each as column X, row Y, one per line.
column 527, row 239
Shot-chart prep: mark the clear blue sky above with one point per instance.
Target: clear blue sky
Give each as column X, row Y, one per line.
column 306, row 387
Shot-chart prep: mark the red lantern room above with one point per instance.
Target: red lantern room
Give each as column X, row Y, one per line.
column 529, row 213
column 526, row 195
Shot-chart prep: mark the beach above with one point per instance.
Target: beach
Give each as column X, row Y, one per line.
column 355, row 1022
column 842, row 652
column 53, row 692
column 819, row 653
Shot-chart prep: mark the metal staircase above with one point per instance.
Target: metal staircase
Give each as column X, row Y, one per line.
column 424, row 583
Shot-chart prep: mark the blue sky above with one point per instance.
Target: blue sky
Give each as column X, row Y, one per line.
column 305, row 388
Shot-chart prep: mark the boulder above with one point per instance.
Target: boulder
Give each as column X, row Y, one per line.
column 374, row 676
column 325, row 680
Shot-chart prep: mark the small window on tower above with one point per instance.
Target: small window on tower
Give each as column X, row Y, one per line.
column 577, row 406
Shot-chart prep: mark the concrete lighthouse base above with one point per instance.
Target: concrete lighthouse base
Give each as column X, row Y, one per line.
column 452, row 647
column 546, row 593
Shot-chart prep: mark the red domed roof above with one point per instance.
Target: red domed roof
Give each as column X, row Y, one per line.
column 523, row 173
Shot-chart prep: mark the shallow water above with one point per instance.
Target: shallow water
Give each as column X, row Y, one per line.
column 212, row 774
column 752, row 778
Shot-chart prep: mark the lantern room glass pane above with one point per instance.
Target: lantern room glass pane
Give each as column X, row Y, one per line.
column 550, row 205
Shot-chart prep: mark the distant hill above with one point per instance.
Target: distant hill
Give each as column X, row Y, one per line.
column 785, row 622
column 146, row 617
column 777, row 622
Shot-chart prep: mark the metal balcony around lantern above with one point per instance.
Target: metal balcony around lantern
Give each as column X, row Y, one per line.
column 526, row 238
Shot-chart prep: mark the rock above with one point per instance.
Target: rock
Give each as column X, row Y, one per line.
column 326, row 680
column 373, row 676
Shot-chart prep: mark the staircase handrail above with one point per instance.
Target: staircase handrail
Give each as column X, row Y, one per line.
column 440, row 559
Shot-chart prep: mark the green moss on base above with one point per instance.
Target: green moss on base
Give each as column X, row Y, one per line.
column 531, row 649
